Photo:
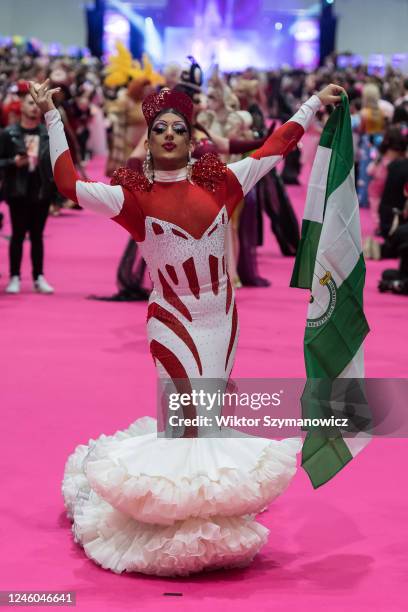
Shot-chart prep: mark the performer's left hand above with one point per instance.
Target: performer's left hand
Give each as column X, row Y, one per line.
column 331, row 94
column 42, row 96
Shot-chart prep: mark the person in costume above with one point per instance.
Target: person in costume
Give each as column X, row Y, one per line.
column 207, row 140
column 220, row 119
column 134, row 81
column 131, row 273
column 269, row 195
column 156, row 505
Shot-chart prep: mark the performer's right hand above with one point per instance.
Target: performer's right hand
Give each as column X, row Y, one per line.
column 42, row 96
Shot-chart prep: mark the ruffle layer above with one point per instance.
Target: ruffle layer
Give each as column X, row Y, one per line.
column 117, row 542
column 74, row 476
column 173, row 507
column 163, row 481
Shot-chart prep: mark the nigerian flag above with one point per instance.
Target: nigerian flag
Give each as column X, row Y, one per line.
column 330, row 263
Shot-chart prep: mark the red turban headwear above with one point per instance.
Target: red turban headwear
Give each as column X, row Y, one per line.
column 155, row 103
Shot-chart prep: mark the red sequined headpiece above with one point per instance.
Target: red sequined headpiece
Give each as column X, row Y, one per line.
column 155, row 103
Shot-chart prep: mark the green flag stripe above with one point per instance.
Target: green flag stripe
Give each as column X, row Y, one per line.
column 329, row 130
column 322, row 458
column 329, row 348
column 302, row 275
column 342, row 158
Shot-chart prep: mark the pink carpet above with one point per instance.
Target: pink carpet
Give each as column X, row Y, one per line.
column 73, row 368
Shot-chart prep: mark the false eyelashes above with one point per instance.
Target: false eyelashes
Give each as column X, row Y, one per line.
column 160, row 128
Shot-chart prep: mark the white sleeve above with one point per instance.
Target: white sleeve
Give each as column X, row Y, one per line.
column 307, row 111
column 104, row 199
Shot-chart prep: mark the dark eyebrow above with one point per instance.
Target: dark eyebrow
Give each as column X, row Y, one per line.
column 172, row 123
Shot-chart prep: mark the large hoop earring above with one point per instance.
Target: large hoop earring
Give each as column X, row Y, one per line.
column 148, row 169
column 190, row 168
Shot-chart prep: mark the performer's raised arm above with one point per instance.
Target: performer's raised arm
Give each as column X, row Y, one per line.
column 250, row 170
column 104, row 199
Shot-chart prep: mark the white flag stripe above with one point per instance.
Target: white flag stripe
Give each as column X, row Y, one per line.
column 340, row 243
column 355, row 369
column 358, row 443
column 316, row 192
column 340, row 240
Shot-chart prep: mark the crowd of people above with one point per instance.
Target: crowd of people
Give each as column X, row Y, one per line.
column 101, row 108
column 181, row 495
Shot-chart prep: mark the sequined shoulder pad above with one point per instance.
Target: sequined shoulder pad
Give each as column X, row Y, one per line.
column 209, row 171
column 130, row 179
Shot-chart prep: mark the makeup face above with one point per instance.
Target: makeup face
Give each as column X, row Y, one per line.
column 214, row 100
column 169, row 142
column 200, row 103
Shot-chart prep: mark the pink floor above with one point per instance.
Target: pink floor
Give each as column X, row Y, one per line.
column 73, row 368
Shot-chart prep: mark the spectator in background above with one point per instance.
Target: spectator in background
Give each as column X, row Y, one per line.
column 400, row 117
column 171, row 73
column 393, row 200
column 287, row 104
column 11, row 112
column 393, row 196
column 404, row 96
column 392, row 148
column 28, row 189
column 372, row 127
column 78, row 111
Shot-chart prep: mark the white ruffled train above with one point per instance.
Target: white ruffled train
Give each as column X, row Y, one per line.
column 173, row 506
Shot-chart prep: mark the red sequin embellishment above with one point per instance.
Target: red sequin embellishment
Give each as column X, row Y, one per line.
column 134, row 181
column 157, row 228
column 180, row 234
column 191, row 274
column 172, row 298
column 229, row 295
column 213, row 263
column 154, row 103
column 209, row 171
column 166, row 317
column 234, row 325
column 172, row 273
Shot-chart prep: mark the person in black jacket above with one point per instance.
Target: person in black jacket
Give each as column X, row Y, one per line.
column 28, row 188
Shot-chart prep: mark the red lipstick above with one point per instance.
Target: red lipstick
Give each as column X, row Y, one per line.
column 169, row 146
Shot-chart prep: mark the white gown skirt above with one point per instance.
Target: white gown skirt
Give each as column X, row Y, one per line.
column 173, row 506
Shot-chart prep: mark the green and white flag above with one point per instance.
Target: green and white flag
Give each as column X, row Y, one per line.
column 330, row 263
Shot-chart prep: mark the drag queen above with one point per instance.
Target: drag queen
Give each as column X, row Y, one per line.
column 153, row 504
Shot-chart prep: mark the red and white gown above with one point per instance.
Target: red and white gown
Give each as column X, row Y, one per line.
column 174, row 506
